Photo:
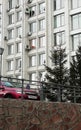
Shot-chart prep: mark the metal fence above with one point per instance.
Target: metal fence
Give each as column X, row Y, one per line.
column 61, row 93
column 48, row 91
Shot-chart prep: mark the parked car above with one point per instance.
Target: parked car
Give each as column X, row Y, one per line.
column 7, row 90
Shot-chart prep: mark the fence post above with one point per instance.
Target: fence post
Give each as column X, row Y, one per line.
column 22, row 88
column 74, row 94
column 59, row 93
column 41, row 92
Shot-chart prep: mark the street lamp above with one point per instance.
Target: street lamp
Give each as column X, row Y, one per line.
column 1, row 53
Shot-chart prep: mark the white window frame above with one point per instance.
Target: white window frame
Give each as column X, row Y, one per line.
column 18, row 63
column 58, row 4
column 32, row 61
column 19, row 16
column 33, row 43
column 10, row 49
column 76, row 21
column 41, row 24
column 19, row 2
column 42, row 8
column 59, row 38
column 75, row 4
column 11, row 18
column 10, row 65
column 59, row 20
column 10, row 34
column 76, row 41
column 33, row 27
column 32, row 76
column 42, row 41
column 19, row 47
column 19, row 32
column 42, row 58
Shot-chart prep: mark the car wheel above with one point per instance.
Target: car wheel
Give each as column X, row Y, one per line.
column 8, row 96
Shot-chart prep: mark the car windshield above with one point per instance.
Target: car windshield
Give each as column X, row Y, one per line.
column 17, row 85
column 7, row 84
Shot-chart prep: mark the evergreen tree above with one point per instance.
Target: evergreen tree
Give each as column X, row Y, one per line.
column 73, row 72
column 75, row 69
column 78, row 57
column 58, row 73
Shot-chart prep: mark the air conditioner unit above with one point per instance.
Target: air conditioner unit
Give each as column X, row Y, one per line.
column 27, row 11
column 17, row 6
column 27, row 47
column 5, row 38
column 29, row 33
column 33, row 47
column 29, row 1
column 32, row 12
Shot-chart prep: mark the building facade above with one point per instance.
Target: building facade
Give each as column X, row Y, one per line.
column 31, row 28
column 0, row 19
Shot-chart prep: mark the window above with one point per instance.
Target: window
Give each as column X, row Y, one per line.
column 18, row 63
column 10, row 65
column 32, row 43
column 19, row 32
column 59, row 20
column 76, row 21
column 79, row 3
column 33, row 27
column 41, row 8
column 41, row 59
column 59, row 4
column 10, row 34
column 0, row 22
column 32, row 76
column 42, row 41
column 76, row 41
column 32, row 60
column 76, row 3
column 11, row 18
column 0, row 36
column 19, row 16
column 19, row 2
column 10, row 49
column 41, row 76
column 0, row 8
column 32, row 11
column 41, row 24
column 19, row 47
column 59, row 38
column 11, row 4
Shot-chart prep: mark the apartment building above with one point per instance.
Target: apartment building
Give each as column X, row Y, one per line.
column 31, row 28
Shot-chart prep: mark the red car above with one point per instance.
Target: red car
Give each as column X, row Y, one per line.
column 7, row 90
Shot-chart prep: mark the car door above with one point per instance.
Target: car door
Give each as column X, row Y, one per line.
column 2, row 90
